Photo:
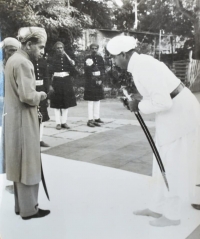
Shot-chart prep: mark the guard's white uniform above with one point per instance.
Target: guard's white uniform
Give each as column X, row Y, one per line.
column 177, row 133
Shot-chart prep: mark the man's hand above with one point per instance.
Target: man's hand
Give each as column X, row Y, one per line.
column 43, row 95
column 51, row 91
column 133, row 105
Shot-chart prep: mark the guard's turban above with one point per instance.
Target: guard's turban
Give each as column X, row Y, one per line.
column 25, row 33
column 56, row 44
column 10, row 41
column 120, row 44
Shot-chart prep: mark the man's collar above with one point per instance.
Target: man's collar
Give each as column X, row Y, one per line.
column 132, row 61
column 24, row 53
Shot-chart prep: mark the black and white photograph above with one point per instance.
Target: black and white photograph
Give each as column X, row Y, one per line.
column 100, row 119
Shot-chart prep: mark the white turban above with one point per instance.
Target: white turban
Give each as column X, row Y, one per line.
column 10, row 41
column 120, row 44
column 26, row 33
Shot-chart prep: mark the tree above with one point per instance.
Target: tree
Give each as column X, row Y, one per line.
column 98, row 10
column 123, row 16
column 61, row 18
column 156, row 15
column 191, row 10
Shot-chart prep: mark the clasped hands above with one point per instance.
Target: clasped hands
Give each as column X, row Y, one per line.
column 43, row 95
column 131, row 105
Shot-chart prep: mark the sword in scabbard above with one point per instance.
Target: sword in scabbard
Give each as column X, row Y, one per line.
column 149, row 138
column 42, row 173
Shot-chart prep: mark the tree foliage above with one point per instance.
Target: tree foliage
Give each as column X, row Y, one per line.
column 155, row 15
column 62, row 19
column 65, row 19
column 97, row 10
column 191, row 10
column 124, row 16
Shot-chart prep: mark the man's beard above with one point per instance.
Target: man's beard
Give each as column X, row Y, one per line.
column 60, row 53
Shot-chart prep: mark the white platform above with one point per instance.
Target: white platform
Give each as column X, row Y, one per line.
column 90, row 202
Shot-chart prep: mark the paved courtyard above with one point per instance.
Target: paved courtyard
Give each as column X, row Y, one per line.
column 118, row 143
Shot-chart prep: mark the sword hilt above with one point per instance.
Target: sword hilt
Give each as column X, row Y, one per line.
column 125, row 92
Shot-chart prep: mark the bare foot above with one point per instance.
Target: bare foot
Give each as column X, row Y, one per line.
column 148, row 213
column 164, row 222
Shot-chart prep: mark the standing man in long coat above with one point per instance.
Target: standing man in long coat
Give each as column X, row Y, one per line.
column 22, row 145
column 94, row 76
column 62, row 93
column 177, row 126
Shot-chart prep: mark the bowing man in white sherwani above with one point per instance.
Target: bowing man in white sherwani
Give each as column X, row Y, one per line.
column 177, row 124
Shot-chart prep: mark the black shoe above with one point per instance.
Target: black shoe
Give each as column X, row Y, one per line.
column 40, row 213
column 99, row 120
column 90, row 123
column 43, row 144
column 17, row 213
column 196, row 206
column 96, row 124
column 65, row 126
column 58, row 126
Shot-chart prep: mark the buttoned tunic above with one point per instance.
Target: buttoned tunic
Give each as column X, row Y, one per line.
column 22, row 142
column 42, row 84
column 63, row 96
column 93, row 90
column 177, row 123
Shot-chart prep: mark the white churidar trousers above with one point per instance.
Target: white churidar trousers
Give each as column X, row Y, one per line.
column 93, row 110
column 61, row 118
column 181, row 159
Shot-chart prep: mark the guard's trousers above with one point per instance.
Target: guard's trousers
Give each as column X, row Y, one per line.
column 26, row 199
column 61, row 118
column 93, row 110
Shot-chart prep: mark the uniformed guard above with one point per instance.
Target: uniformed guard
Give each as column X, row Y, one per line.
column 42, row 84
column 94, row 76
column 62, row 93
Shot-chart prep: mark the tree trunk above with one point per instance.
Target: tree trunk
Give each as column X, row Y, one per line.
column 197, row 31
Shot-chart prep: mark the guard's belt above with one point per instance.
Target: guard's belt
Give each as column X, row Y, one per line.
column 61, row 74
column 96, row 73
column 177, row 90
column 39, row 82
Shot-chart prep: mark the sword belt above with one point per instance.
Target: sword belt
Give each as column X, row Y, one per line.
column 177, row 90
column 96, row 73
column 61, row 74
